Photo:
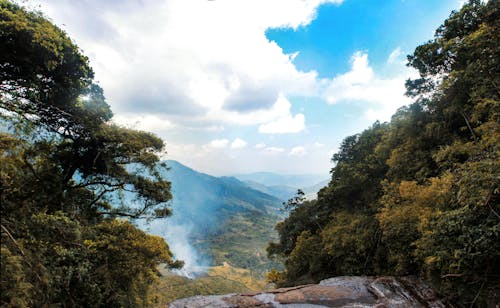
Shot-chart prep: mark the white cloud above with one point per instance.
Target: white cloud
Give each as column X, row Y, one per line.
column 395, row 56
column 214, row 128
column 238, row 144
column 285, row 122
column 319, row 144
column 298, row 151
column 205, row 59
column 178, row 151
column 280, row 109
column 144, row 122
column 361, row 84
column 202, row 63
column 219, row 143
column 284, row 125
column 274, row 150
column 187, row 69
column 348, row 85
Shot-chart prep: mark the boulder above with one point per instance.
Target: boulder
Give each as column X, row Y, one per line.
column 347, row 291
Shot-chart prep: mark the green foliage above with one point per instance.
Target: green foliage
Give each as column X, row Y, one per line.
column 303, row 217
column 295, row 201
column 16, row 292
column 63, row 168
column 352, row 241
column 240, row 241
column 275, row 276
column 418, row 195
column 304, row 262
column 47, row 93
column 404, row 217
column 46, row 74
column 460, row 251
column 127, row 260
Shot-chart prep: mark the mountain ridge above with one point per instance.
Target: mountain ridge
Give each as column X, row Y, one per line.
column 276, row 179
column 217, row 220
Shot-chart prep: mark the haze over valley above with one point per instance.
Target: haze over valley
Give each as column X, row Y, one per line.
column 219, row 220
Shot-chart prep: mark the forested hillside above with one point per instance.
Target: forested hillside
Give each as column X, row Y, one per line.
column 62, row 242
column 223, row 219
column 418, row 195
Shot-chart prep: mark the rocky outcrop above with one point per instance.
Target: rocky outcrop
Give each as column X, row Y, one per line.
column 334, row 292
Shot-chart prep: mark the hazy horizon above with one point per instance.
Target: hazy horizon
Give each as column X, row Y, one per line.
column 235, row 174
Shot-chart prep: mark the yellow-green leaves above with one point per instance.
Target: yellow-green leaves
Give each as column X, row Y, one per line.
column 419, row 195
column 62, row 167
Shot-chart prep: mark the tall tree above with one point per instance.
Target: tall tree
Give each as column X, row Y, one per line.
column 66, row 174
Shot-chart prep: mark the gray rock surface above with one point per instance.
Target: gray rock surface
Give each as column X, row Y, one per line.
column 347, row 291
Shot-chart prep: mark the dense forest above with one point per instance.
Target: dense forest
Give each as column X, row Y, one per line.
column 65, row 173
column 418, row 195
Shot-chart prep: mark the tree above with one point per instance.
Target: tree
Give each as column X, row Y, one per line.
column 418, row 195
column 47, row 89
column 66, row 173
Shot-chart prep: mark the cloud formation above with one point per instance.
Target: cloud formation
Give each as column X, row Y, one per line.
column 274, row 150
column 298, row 151
column 287, row 124
column 395, row 56
column 238, row 144
column 191, row 58
column 361, row 84
column 219, row 143
column 190, row 70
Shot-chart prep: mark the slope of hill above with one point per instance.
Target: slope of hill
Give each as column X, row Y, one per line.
column 284, row 193
column 217, row 220
column 311, row 192
column 291, row 180
column 281, row 192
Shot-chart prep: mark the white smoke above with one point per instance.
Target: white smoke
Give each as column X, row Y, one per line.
column 177, row 236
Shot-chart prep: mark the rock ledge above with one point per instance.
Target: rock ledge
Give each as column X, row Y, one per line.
column 347, row 291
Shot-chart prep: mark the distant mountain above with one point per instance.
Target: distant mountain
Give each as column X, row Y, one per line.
column 311, row 192
column 281, row 192
column 285, row 192
column 217, row 219
column 274, row 179
column 203, row 198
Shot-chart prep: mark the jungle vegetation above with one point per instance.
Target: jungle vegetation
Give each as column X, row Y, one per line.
column 66, row 239
column 418, row 195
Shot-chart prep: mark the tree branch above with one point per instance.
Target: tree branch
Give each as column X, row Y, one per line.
column 138, row 215
column 99, row 196
column 452, row 275
column 487, row 202
column 83, row 185
column 12, row 239
column 32, row 169
column 468, row 125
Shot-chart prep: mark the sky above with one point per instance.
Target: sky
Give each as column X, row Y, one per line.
column 239, row 86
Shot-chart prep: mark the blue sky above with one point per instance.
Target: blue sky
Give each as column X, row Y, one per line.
column 236, row 86
column 377, row 27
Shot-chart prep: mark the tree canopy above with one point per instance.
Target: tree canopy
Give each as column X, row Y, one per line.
column 418, row 195
column 69, row 177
